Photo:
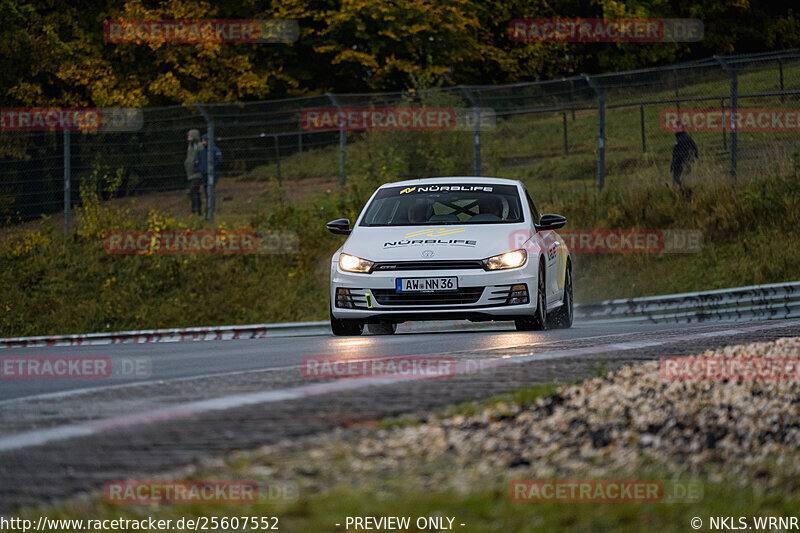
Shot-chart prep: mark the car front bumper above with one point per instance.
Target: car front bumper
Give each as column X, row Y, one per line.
column 481, row 295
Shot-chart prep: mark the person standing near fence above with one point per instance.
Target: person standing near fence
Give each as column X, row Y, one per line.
column 683, row 154
column 202, row 159
column 193, row 175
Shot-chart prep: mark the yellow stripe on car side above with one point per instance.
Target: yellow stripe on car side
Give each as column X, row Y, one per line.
column 562, row 264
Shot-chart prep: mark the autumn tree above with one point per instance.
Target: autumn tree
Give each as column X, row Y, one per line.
column 55, row 53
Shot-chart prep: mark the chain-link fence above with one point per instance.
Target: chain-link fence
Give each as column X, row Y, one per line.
column 609, row 129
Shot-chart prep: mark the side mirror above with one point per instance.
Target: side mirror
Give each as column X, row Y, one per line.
column 340, row 226
column 548, row 222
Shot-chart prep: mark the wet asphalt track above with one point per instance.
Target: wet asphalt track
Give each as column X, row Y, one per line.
column 185, row 360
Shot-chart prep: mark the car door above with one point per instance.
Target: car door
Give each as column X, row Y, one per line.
column 556, row 254
column 551, row 245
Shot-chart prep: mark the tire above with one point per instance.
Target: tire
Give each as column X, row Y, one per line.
column 562, row 317
column 382, row 328
column 537, row 321
column 342, row 327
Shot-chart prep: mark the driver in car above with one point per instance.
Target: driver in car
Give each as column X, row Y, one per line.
column 418, row 213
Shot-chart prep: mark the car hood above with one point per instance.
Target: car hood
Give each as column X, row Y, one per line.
column 414, row 243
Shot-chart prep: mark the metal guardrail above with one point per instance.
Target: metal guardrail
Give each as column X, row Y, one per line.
column 772, row 301
column 250, row 331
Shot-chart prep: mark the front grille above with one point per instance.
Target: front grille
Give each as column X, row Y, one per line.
column 426, row 265
column 464, row 295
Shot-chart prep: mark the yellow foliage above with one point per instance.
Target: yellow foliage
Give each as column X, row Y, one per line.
column 28, row 243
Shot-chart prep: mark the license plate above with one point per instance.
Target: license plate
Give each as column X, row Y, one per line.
column 426, row 284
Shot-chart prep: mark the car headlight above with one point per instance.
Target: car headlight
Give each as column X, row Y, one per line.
column 351, row 263
column 512, row 259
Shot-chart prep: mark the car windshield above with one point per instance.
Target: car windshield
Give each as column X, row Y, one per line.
column 444, row 204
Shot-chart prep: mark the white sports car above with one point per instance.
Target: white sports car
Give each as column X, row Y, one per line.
column 450, row 248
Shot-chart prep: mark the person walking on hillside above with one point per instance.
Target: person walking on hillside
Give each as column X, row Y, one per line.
column 193, row 175
column 202, row 159
column 683, row 154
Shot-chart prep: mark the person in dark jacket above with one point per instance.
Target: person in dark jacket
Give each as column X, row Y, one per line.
column 202, row 163
column 683, row 154
column 192, row 172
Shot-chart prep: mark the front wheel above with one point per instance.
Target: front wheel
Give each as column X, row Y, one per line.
column 342, row 327
column 562, row 317
column 538, row 321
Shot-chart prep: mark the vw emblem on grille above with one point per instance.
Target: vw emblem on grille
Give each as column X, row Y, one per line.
column 427, row 253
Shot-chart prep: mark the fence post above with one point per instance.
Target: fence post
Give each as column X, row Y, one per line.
column 780, row 69
column 601, row 131
column 677, row 97
column 277, row 159
column 300, row 134
column 476, row 138
column 724, row 137
column 476, row 145
column 641, row 118
column 734, row 106
column 572, row 97
column 210, row 203
column 211, row 208
column 67, row 183
column 342, row 144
